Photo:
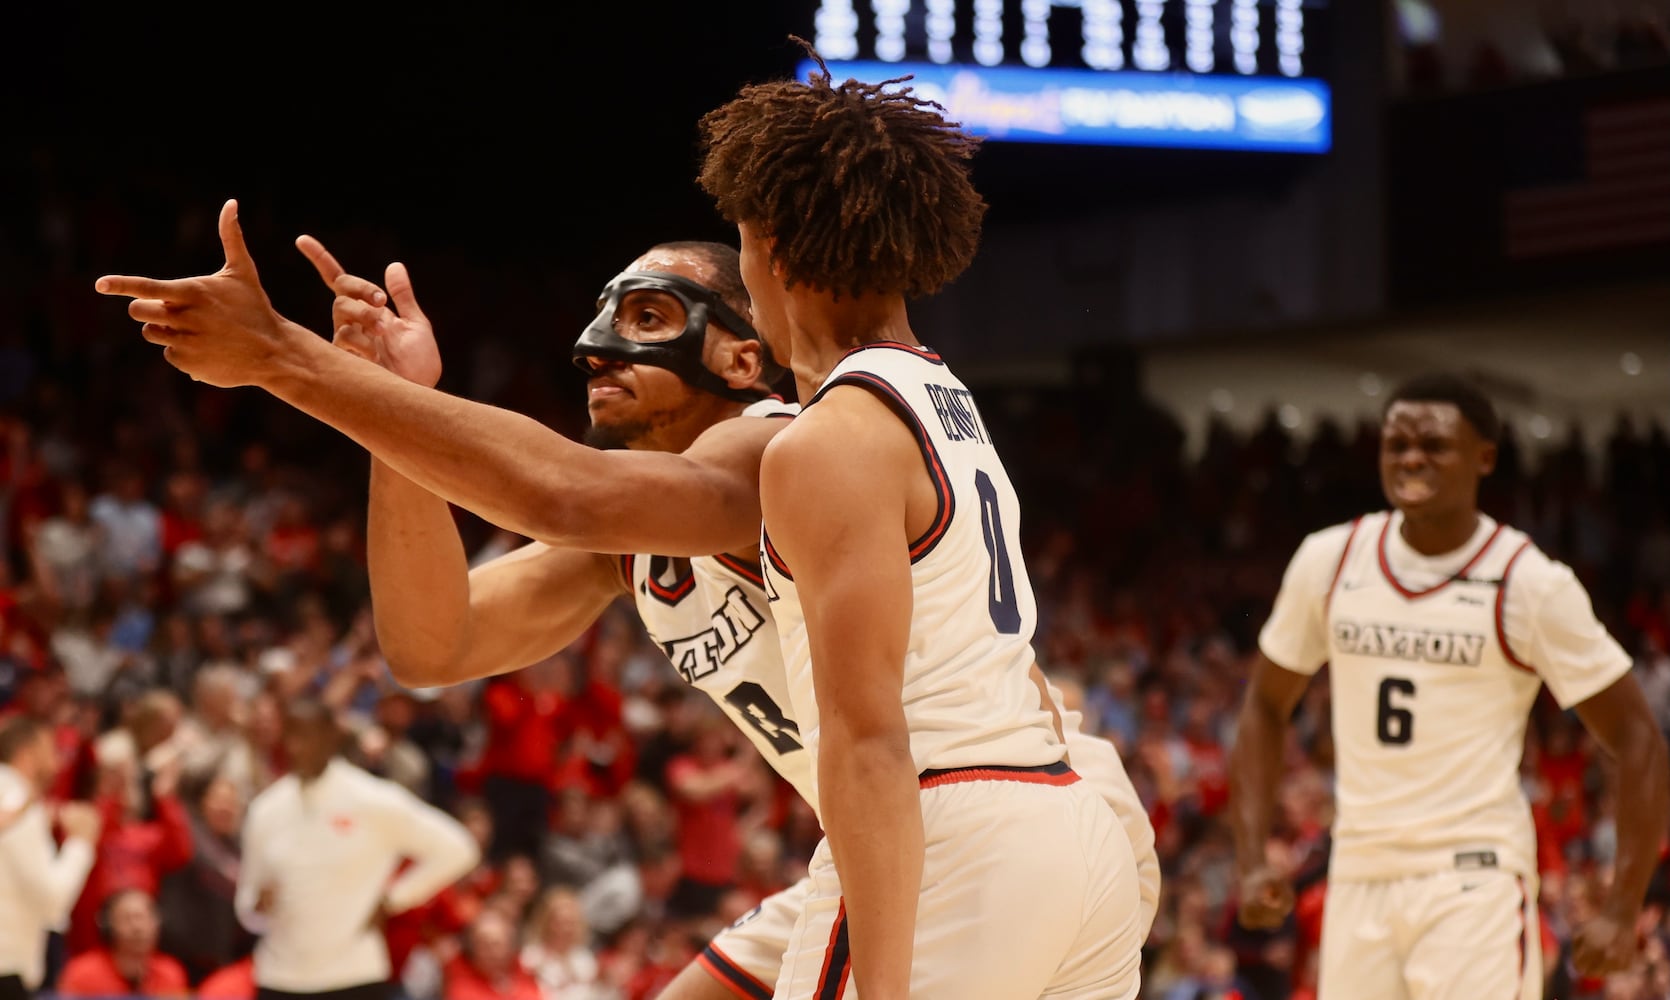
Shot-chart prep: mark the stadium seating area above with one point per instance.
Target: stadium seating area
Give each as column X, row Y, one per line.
column 175, row 561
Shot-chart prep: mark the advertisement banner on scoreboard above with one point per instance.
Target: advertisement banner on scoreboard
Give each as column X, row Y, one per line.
column 1117, row 108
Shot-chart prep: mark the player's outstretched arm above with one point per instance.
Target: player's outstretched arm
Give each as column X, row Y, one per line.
column 1255, row 769
column 437, row 621
column 834, row 489
column 508, row 468
column 1622, row 723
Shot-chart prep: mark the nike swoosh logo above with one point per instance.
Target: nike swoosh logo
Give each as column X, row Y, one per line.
column 1470, row 888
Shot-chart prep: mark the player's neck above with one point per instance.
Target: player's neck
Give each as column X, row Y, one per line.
column 1440, row 534
column 824, row 330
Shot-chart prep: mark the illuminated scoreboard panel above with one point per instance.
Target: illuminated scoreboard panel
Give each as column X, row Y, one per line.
column 1225, row 74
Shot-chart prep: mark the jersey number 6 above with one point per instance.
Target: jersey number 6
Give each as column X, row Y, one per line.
column 1394, row 725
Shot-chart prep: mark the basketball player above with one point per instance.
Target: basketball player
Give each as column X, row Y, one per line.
column 962, row 858
column 676, row 378
column 1439, row 626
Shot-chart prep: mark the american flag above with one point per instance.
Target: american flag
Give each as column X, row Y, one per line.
column 1620, row 198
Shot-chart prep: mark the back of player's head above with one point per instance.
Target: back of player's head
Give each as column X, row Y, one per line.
column 725, row 269
column 863, row 187
column 1444, row 387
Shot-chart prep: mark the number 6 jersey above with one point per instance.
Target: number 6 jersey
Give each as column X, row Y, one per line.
column 968, row 695
column 1434, row 663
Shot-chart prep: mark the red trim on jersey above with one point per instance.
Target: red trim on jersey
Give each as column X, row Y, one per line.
column 678, row 592
column 626, row 569
column 925, row 353
column 742, row 567
column 1501, row 606
column 1047, row 774
column 732, row 975
column 936, row 469
column 777, row 562
column 837, row 960
column 1412, row 595
column 1343, row 556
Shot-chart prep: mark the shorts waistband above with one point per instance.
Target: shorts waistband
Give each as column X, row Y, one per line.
column 1040, row 774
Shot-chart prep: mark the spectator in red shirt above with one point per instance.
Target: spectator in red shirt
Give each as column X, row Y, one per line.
column 525, row 728
column 127, row 961
column 706, row 792
column 140, row 844
column 234, row 982
column 488, row 969
column 602, row 756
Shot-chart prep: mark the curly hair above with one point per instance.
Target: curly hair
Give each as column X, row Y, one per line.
column 863, row 187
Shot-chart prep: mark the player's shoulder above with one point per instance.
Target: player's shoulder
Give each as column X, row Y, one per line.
column 770, row 408
column 887, row 356
column 1328, row 545
column 1532, row 572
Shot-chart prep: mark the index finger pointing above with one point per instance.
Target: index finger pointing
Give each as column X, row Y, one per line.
column 134, row 287
column 323, row 261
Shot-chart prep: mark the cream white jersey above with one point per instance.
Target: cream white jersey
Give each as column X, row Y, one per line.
column 710, row 616
column 968, row 696
column 1434, row 663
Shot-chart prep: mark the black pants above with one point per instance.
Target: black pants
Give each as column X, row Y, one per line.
column 370, row 991
column 12, row 988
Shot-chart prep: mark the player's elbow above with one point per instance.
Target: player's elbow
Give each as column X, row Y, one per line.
column 413, row 669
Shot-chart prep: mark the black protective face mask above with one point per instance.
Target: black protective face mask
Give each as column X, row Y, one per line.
column 682, row 355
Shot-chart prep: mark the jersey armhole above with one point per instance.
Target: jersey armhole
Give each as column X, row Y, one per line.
column 1339, row 568
column 623, row 566
column 1501, row 610
column 946, row 501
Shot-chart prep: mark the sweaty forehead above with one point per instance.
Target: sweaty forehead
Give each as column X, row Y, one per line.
column 1423, row 417
column 684, row 265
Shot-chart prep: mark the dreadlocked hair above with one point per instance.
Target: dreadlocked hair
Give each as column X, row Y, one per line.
column 863, row 187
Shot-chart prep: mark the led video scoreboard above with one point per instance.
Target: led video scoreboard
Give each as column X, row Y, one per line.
column 1212, row 74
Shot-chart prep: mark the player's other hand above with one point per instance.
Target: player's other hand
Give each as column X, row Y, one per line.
column 1604, row 944
column 1266, row 899
column 399, row 338
column 218, row 328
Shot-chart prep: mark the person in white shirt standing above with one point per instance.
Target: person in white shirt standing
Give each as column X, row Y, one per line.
column 1439, row 627
column 321, row 847
column 39, row 881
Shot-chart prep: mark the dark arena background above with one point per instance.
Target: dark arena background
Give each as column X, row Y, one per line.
column 1220, row 232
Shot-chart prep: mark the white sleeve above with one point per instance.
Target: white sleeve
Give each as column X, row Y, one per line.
column 442, row 849
column 1295, row 636
column 1549, row 625
column 252, row 872
column 52, row 880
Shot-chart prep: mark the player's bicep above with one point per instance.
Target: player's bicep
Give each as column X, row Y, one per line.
column 834, row 494
column 700, row 502
column 1274, row 690
column 530, row 603
column 1619, row 718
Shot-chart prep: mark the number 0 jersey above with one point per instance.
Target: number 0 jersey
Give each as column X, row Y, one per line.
column 1434, row 663
column 968, row 696
column 710, row 616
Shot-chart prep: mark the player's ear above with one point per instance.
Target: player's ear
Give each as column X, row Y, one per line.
column 741, row 362
column 1487, row 458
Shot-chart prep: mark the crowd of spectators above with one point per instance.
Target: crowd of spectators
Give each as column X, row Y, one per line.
column 177, row 561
